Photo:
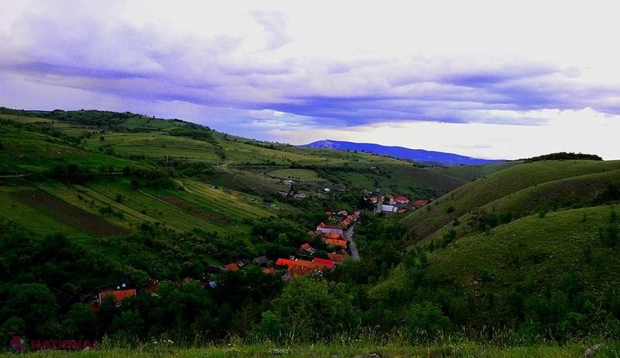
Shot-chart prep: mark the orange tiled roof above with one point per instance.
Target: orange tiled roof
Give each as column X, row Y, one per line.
column 324, row 262
column 333, row 236
column 305, row 263
column 232, row 267
column 341, row 243
column 285, row 262
column 300, row 270
column 118, row 295
column 336, row 257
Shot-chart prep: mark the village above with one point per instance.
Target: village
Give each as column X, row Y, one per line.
column 336, row 232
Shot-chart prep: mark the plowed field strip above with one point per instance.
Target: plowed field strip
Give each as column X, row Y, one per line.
column 194, row 210
column 68, row 214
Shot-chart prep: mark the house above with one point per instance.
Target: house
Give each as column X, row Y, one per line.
column 117, row 295
column 327, row 236
column 260, row 261
column 301, row 270
column 232, row 266
column 420, row 203
column 328, row 264
column 401, row 200
column 269, row 270
column 336, row 257
column 285, row 262
column 308, row 249
column 330, row 229
column 334, row 242
column 389, row 209
column 243, row 262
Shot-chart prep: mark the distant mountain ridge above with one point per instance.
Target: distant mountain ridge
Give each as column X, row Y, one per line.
column 417, row 155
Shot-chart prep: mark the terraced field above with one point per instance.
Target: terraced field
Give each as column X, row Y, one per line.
column 67, row 214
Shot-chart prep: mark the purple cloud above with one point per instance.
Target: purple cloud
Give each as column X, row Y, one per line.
column 147, row 63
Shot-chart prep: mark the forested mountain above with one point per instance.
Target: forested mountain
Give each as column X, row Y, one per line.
column 422, row 156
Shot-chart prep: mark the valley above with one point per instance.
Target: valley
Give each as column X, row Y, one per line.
column 224, row 236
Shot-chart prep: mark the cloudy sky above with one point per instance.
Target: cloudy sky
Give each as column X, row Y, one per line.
column 490, row 79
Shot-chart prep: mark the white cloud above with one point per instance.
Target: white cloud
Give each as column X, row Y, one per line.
column 508, row 71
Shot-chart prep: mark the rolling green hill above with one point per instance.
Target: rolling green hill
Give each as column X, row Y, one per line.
column 507, row 253
column 529, row 251
column 97, row 176
column 519, row 190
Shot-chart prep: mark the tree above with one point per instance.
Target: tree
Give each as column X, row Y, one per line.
column 424, row 322
column 36, row 306
column 81, row 322
column 311, row 308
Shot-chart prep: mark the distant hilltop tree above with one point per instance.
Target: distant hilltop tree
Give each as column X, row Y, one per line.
column 564, row 156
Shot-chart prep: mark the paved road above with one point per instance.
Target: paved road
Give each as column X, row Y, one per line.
column 349, row 236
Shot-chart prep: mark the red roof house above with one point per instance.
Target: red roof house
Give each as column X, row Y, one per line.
column 336, row 242
column 419, row 203
column 402, row 200
column 118, row 295
column 336, row 257
column 329, row 264
column 232, row 267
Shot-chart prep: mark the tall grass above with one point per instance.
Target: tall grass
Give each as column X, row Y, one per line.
column 235, row 347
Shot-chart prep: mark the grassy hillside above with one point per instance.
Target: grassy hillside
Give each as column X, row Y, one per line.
column 509, row 253
column 36, row 141
column 529, row 251
column 550, row 276
column 97, row 177
column 519, row 189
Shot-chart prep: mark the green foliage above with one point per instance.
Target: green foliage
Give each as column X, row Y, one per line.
column 33, row 308
column 310, row 309
column 564, row 156
column 531, row 279
column 423, row 323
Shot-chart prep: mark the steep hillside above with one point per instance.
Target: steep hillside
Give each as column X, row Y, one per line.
column 539, row 184
column 548, row 276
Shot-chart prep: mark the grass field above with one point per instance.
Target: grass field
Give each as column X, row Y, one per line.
column 535, row 248
column 26, row 216
column 297, row 174
column 68, row 214
column 359, row 349
column 504, row 183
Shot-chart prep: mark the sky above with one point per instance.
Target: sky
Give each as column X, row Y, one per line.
column 487, row 78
